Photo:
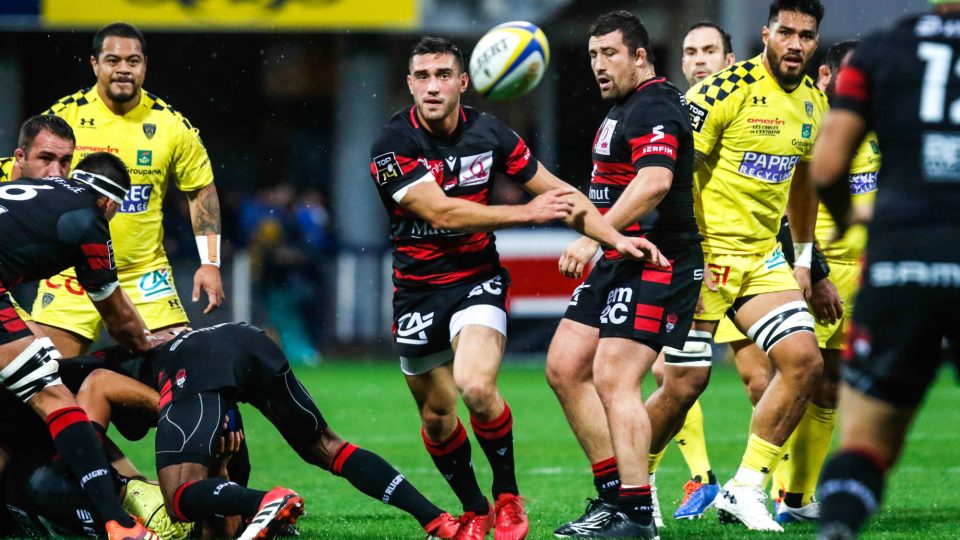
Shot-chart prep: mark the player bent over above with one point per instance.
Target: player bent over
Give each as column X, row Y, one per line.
column 47, row 226
column 435, row 164
column 251, row 369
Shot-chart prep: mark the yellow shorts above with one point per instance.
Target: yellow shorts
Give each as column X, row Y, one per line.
column 743, row 275
column 62, row 302
column 24, row 316
column 845, row 275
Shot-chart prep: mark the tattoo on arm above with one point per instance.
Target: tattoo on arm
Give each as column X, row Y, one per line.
column 205, row 210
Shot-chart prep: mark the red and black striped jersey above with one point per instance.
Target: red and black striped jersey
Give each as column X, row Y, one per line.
column 650, row 127
column 49, row 225
column 905, row 83
column 465, row 166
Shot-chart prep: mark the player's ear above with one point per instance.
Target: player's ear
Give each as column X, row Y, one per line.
column 19, row 155
column 94, row 64
column 464, row 82
column 765, row 35
column 823, row 76
column 410, row 84
column 640, row 56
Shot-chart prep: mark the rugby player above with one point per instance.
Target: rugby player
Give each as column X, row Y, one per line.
column 898, row 83
column 45, row 227
column 250, row 369
column 754, row 126
column 796, row 475
column 434, row 164
column 158, row 143
column 707, row 48
column 45, row 148
column 626, row 311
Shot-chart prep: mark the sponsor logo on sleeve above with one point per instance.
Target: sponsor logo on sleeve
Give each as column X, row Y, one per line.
column 767, row 167
column 387, row 167
column 475, row 170
column 605, row 136
column 698, row 116
column 137, row 199
column 863, row 183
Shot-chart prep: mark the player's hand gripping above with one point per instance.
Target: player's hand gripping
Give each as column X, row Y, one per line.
column 575, row 258
column 710, row 283
column 826, row 302
column 641, row 249
column 207, row 279
column 229, row 445
column 549, row 206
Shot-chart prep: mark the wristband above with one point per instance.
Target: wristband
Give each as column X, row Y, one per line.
column 820, row 269
column 208, row 246
column 803, row 254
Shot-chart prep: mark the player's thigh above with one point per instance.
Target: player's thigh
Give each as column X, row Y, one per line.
column 61, row 303
column 780, row 323
column 620, row 364
column 570, row 356
column 434, row 391
column 154, row 294
column 189, row 429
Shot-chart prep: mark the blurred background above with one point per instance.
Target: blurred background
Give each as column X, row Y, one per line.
column 289, row 95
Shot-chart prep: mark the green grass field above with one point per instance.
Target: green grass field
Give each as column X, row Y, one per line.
column 368, row 404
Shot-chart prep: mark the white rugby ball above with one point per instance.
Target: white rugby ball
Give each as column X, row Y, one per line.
column 509, row 60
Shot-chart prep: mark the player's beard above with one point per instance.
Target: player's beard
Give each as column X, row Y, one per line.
column 123, row 97
column 784, row 78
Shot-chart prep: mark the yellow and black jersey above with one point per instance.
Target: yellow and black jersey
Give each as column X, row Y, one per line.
column 6, row 168
column 752, row 133
column 157, row 144
column 864, row 170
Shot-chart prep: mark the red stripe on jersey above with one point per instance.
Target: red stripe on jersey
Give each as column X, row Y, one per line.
column 444, row 279
column 852, row 83
column 661, row 144
column 647, row 325
column 166, row 395
column 98, row 256
column 617, row 174
column 477, row 242
column 652, row 312
column 519, row 158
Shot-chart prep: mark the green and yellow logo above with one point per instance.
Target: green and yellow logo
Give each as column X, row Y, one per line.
column 144, row 158
column 806, row 131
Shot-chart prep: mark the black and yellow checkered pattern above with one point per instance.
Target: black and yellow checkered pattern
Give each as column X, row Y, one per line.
column 720, row 85
column 6, row 168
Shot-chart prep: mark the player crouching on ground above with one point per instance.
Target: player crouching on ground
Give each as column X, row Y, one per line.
column 250, row 368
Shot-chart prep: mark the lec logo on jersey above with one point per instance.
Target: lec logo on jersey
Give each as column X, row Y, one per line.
column 137, row 199
column 386, row 167
column 156, row 284
column 412, row 328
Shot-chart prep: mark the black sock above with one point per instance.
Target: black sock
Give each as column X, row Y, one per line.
column 215, row 497
column 637, row 503
column 78, row 446
column 372, row 475
column 496, row 439
column 850, row 490
column 606, row 478
column 452, row 458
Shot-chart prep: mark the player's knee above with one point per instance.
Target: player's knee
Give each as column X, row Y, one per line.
column 438, row 420
column 562, row 376
column 479, row 395
column 686, row 385
column 34, row 369
column 802, row 370
column 756, row 384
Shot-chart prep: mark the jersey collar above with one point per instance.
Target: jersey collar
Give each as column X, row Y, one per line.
column 648, row 82
column 453, row 136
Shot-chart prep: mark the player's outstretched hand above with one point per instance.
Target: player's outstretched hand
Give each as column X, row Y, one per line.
column 575, row 258
column 550, row 206
column 207, row 279
column 826, row 302
column 641, row 248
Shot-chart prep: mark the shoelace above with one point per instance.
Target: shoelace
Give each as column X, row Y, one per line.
column 511, row 508
column 473, row 523
column 689, row 489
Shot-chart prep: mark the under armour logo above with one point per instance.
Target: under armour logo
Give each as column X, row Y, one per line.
column 729, row 496
column 759, row 100
column 681, row 442
column 502, row 451
column 87, row 121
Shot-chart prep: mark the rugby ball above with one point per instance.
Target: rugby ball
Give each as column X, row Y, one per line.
column 509, row 60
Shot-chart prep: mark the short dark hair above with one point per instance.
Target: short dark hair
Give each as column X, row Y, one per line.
column 808, row 7
column 838, row 52
column 635, row 35
column 727, row 40
column 119, row 29
column 106, row 164
column 438, row 46
column 44, row 122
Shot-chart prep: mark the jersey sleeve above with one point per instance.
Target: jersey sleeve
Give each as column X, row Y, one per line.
column 710, row 114
column 519, row 164
column 652, row 134
column 192, row 169
column 397, row 162
column 94, row 262
column 853, row 85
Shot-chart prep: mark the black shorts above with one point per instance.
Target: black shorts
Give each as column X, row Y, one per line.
column 12, row 326
column 639, row 301
column 906, row 307
column 190, row 428
column 426, row 321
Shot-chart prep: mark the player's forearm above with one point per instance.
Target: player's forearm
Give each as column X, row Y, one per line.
column 123, row 322
column 587, row 220
column 640, row 198
column 468, row 216
column 204, row 210
column 802, row 205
